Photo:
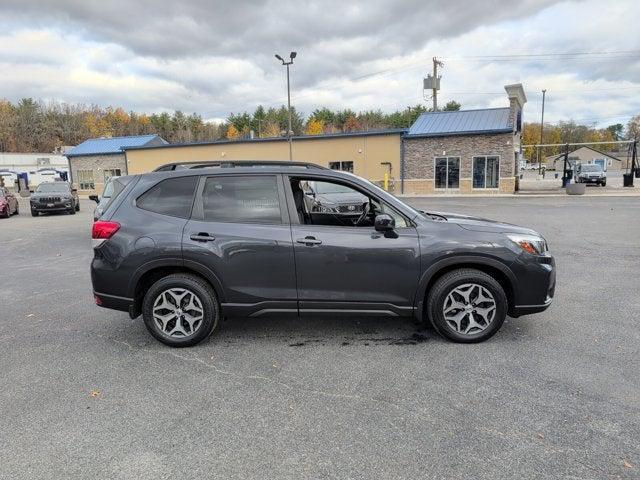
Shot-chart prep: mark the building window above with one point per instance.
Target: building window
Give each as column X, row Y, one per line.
column 447, row 172
column 85, row 180
column 113, row 172
column 486, row 172
column 343, row 166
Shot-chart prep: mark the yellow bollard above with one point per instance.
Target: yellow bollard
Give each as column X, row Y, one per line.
column 386, row 181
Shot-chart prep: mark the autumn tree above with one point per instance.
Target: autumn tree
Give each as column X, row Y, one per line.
column 232, row 132
column 315, row 127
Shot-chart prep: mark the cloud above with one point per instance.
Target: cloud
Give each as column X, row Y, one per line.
column 217, row 57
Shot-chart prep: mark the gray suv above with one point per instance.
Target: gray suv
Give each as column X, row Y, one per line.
column 183, row 248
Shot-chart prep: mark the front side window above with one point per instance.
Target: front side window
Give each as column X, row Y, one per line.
column 85, row 179
column 173, row 197
column 486, row 172
column 322, row 202
column 246, row 199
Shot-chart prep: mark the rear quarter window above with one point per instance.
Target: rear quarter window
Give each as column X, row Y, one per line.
column 173, row 197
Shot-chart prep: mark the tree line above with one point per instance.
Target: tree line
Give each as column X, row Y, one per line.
column 572, row 132
column 35, row 126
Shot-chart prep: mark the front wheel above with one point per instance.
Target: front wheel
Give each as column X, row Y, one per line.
column 604, row 184
column 34, row 213
column 467, row 305
column 180, row 310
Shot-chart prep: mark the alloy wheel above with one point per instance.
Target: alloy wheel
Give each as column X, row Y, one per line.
column 178, row 312
column 469, row 309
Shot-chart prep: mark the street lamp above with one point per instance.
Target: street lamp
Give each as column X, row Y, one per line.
column 544, row 92
column 292, row 55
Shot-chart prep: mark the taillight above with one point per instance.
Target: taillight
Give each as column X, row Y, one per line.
column 103, row 231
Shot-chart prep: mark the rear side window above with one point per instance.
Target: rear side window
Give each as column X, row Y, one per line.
column 247, row 199
column 173, row 197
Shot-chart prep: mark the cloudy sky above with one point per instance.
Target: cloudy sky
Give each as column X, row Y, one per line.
column 216, row 57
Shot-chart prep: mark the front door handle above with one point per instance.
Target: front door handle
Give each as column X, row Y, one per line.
column 202, row 237
column 309, row 241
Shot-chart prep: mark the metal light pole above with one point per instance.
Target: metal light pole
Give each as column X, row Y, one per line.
column 292, row 55
column 541, row 130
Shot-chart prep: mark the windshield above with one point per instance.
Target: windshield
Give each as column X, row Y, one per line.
column 591, row 168
column 378, row 189
column 325, row 187
column 53, row 187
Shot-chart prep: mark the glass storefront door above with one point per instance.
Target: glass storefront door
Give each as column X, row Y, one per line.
column 447, row 172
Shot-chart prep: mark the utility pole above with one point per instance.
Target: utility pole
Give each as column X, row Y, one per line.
column 544, row 91
column 436, row 82
column 292, row 55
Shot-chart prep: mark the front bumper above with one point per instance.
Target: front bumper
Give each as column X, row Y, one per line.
column 536, row 286
column 52, row 207
column 592, row 180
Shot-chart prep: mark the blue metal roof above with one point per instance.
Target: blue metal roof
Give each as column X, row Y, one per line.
column 95, row 146
column 488, row 120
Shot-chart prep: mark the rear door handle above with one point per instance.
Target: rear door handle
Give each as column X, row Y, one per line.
column 202, row 237
column 308, row 241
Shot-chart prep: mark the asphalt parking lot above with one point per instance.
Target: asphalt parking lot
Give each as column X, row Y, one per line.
column 86, row 392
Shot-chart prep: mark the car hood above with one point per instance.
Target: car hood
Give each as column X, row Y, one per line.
column 341, row 198
column 478, row 224
column 50, row 194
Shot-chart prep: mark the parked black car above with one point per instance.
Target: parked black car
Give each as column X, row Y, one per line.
column 8, row 203
column 54, row 197
column 185, row 247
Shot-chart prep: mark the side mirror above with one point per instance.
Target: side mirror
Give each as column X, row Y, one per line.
column 95, row 198
column 384, row 223
column 74, row 190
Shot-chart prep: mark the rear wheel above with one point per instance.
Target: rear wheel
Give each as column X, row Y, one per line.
column 180, row 310
column 467, row 305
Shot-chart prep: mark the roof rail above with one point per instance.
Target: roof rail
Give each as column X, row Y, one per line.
column 235, row 163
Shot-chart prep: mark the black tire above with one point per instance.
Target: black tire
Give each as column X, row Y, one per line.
column 17, row 212
column 604, row 184
column 438, row 294
column 78, row 206
column 72, row 211
column 34, row 213
column 206, row 296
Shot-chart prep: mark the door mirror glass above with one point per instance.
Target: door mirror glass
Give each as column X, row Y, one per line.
column 95, row 198
column 384, row 223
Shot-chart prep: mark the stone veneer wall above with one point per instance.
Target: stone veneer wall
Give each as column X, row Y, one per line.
column 97, row 163
column 420, row 154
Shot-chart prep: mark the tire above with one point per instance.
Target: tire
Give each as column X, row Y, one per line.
column 6, row 213
column 17, row 212
column 72, row 211
column 163, row 292
column 78, row 206
column 34, row 213
column 604, row 184
column 473, row 283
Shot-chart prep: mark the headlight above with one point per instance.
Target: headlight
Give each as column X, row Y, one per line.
column 325, row 207
column 530, row 243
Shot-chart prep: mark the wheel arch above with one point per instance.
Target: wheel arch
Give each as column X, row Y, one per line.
column 490, row 266
column 149, row 273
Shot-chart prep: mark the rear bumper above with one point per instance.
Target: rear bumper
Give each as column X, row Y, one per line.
column 113, row 302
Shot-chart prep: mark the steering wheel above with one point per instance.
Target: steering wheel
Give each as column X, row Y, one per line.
column 365, row 213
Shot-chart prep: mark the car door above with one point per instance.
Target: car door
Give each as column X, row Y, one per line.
column 240, row 231
column 345, row 268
